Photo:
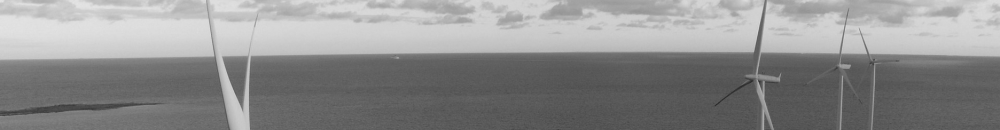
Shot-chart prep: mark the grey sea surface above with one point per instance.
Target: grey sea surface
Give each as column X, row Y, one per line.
column 504, row 91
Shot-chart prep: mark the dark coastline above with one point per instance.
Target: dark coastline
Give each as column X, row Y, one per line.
column 70, row 107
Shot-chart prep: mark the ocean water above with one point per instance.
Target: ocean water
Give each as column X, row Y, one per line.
column 505, row 91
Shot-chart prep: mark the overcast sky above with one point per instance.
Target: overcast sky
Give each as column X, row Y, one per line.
column 45, row 29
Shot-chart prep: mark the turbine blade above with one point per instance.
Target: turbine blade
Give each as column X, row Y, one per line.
column 760, row 34
column 769, row 122
column 233, row 113
column 760, row 94
column 821, row 75
column 246, row 83
column 866, row 45
column 762, row 87
column 763, row 103
column 867, row 72
column 734, row 91
column 842, row 33
column 848, row 80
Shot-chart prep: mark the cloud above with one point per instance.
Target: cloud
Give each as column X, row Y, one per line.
column 668, row 12
column 647, row 7
column 651, row 7
column 237, row 19
column 11, row 9
column 450, row 19
column 62, row 11
column 270, row 1
column 656, row 18
column 288, row 9
column 633, row 24
column 495, row 9
column 979, row 27
column 564, row 12
column 379, row 19
column 450, row 7
column 75, row 10
column 643, row 24
column 66, row 11
column 438, row 6
column 594, row 28
column 995, row 21
column 812, row 25
column 338, row 15
column 787, row 34
column 41, row 1
column 895, row 18
column 887, row 11
column 515, row 26
column 127, row 3
column 511, row 17
column 688, row 22
column 730, row 30
column 926, row 34
column 114, row 17
column 487, row 6
column 985, row 35
column 947, row 12
column 996, row 8
column 807, row 10
column 379, row 4
column 188, row 7
column 737, row 5
column 247, row 4
column 780, row 29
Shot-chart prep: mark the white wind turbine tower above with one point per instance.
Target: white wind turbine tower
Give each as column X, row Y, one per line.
column 236, row 117
column 843, row 76
column 756, row 77
column 872, row 64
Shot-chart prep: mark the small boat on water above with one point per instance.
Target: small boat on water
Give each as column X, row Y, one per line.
column 394, row 57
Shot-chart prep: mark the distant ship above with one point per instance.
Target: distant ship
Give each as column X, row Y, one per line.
column 394, row 57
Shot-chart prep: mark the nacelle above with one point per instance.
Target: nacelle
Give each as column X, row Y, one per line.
column 765, row 78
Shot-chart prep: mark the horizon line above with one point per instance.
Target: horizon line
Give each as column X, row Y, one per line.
column 207, row 56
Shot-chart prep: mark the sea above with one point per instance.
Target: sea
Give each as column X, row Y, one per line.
column 507, row 91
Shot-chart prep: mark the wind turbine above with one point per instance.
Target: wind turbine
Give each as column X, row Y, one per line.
column 872, row 64
column 756, row 76
column 235, row 116
column 763, row 90
column 246, row 83
column 843, row 75
column 750, row 77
